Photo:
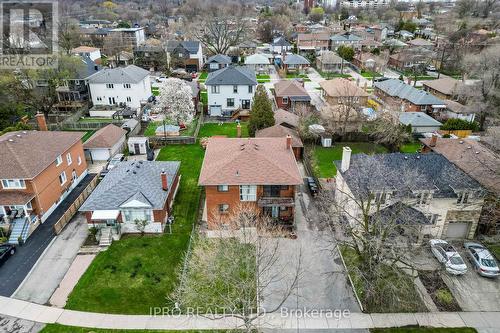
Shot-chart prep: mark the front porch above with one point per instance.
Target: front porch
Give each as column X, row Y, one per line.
column 279, row 209
column 17, row 215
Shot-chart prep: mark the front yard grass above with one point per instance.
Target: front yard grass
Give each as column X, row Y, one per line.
column 56, row 328
column 411, row 147
column 423, row 330
column 494, row 249
column 298, row 76
column 322, row 158
column 137, row 273
column 370, row 74
column 262, row 78
column 227, row 129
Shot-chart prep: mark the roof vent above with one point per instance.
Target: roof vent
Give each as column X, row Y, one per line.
column 18, row 135
column 134, row 172
column 461, row 142
column 406, row 157
column 469, row 147
column 418, row 157
column 137, row 166
column 24, row 132
column 477, row 152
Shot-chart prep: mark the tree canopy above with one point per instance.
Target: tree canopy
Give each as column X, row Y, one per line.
column 262, row 115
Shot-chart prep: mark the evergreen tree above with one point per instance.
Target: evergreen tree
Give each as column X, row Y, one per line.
column 262, row 114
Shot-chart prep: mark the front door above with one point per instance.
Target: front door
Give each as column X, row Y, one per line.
column 273, row 211
column 137, row 149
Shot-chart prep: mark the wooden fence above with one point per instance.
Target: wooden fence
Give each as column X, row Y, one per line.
column 71, row 211
column 158, row 141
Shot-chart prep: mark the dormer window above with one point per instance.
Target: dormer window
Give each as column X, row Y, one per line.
column 463, row 197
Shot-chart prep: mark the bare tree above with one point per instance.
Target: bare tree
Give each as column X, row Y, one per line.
column 141, row 226
column 221, row 33
column 388, row 133
column 69, row 35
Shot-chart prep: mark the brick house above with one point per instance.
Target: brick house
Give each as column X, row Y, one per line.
column 412, row 57
column 134, row 190
column 281, row 131
column 340, row 91
column 291, row 94
column 190, row 53
column 444, row 88
column 38, row 170
column 258, row 173
column 313, row 42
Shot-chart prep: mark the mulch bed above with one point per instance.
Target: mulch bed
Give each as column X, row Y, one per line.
column 436, row 288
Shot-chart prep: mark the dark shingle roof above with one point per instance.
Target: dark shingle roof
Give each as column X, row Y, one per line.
column 219, row 59
column 397, row 88
column 191, row 46
column 232, row 75
column 295, row 59
column 281, row 41
column 401, row 214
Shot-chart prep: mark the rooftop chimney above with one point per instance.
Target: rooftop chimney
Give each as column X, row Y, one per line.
column 288, row 142
column 164, row 181
column 42, row 124
column 238, row 130
column 346, row 159
column 433, row 140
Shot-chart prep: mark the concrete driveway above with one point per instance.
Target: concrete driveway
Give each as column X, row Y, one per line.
column 53, row 264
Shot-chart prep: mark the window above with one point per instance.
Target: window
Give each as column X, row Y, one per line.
column 63, row 178
column 248, row 192
column 223, row 208
column 110, row 85
column 423, row 108
column 68, row 158
column 29, row 206
column 58, row 160
column 222, row 188
column 284, row 187
column 130, row 215
column 127, row 85
column 129, row 99
column 181, row 55
column 272, row 190
column 245, row 104
column 250, row 89
column 230, row 102
column 463, row 198
column 215, row 90
column 285, row 100
column 425, row 198
column 13, row 183
column 99, row 99
column 433, row 218
column 79, row 160
column 235, row 89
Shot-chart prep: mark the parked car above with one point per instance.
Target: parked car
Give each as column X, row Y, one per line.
column 446, row 254
column 431, row 68
column 482, row 260
column 380, row 79
column 313, row 186
column 6, row 251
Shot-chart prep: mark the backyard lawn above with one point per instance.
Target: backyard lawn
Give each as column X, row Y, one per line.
column 228, row 129
column 151, row 129
column 423, row 330
column 95, row 120
column 411, row 147
column 261, row 78
column 323, row 157
column 298, row 76
column 56, row 328
column 203, row 77
column 370, row 74
column 137, row 273
column 204, row 97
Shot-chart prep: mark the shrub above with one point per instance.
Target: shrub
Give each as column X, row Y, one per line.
column 444, row 296
column 446, row 136
column 459, row 124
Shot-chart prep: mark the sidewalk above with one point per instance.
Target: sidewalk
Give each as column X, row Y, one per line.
column 485, row 321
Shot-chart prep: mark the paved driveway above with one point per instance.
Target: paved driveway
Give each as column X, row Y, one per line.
column 13, row 272
column 16, row 325
column 49, row 271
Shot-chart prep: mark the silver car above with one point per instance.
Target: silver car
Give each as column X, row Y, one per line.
column 483, row 261
column 448, row 256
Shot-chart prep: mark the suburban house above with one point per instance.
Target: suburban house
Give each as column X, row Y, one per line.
column 329, row 62
column 369, row 62
column 247, row 47
column 409, row 58
column 404, row 97
column 259, row 62
column 73, row 94
column 291, row 95
column 280, row 45
column 295, row 63
column 217, row 61
column 38, row 170
column 426, row 191
column 126, row 38
column 420, row 122
column 150, row 55
column 421, row 43
column 87, row 51
column 94, row 37
column 342, row 91
column 190, row 53
column 105, row 143
column 456, row 110
column 281, row 131
column 230, row 89
column 313, row 42
column 133, row 191
column 346, row 39
column 256, row 173
column 128, row 86
column 286, row 118
column 444, row 88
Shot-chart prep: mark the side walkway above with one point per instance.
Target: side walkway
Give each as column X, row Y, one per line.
column 45, row 314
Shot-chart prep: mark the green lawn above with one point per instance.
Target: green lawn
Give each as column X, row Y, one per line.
column 370, row 74
column 95, row 120
column 204, row 97
column 155, row 91
column 137, row 273
column 56, row 328
column 151, row 129
column 411, row 147
column 298, row 76
column 228, row 129
column 261, row 78
column 203, row 77
column 323, row 157
column 423, row 330
column 495, row 249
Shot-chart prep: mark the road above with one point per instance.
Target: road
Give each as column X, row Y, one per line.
column 15, row 270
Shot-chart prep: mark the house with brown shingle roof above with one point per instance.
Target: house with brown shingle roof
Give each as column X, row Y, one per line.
column 444, row 88
column 105, row 143
column 340, row 90
column 257, row 173
column 280, row 131
column 38, row 169
column 291, row 95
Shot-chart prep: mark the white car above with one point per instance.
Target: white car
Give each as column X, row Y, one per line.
column 448, row 256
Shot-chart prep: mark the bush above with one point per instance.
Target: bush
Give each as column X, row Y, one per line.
column 446, row 136
column 459, row 124
column 444, row 296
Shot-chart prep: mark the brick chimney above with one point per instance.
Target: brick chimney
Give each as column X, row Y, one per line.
column 288, row 142
column 238, row 130
column 42, row 123
column 434, row 139
column 346, row 159
column 164, row 180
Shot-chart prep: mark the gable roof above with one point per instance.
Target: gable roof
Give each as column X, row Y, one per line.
column 232, row 75
column 257, row 59
column 280, row 41
column 444, row 85
column 288, row 88
column 329, row 57
column 25, row 154
column 279, row 131
column 219, row 59
column 191, row 46
column 313, row 36
column 86, row 68
column 346, row 37
column 295, row 59
column 418, row 119
column 249, row 161
column 397, row 88
column 420, row 42
column 84, row 48
column 286, row 118
column 106, row 137
column 133, row 183
column 400, row 214
column 129, row 74
column 339, row 87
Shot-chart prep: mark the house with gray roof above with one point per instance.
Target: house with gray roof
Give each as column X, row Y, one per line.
column 230, row 89
column 119, row 86
column 346, row 39
column 217, row 61
column 190, row 53
column 403, row 97
column 131, row 191
column 420, row 122
column 295, row 62
column 424, row 191
column 280, row 45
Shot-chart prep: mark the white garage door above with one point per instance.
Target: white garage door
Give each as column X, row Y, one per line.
column 458, row 229
column 216, row 110
column 100, row 154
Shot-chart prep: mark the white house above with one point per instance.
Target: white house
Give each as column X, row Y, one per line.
column 113, row 86
column 105, row 143
column 230, row 89
column 424, row 191
column 93, row 53
column 280, row 45
column 130, row 37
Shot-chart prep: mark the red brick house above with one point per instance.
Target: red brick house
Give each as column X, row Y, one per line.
column 258, row 173
column 291, row 94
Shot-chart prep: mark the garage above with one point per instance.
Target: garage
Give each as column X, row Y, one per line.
column 458, row 230
column 215, row 110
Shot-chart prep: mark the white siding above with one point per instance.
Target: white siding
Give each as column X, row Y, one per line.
column 137, row 92
column 226, row 92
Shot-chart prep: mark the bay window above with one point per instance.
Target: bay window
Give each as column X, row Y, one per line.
column 130, row 215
